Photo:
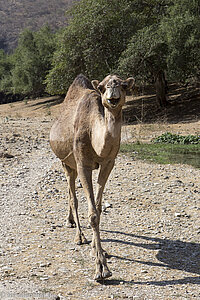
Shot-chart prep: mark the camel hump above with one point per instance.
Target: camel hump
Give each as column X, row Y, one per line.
column 83, row 82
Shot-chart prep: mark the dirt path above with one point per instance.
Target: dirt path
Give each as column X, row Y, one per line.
column 150, row 225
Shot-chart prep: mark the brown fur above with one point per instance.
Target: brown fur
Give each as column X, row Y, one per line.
column 87, row 136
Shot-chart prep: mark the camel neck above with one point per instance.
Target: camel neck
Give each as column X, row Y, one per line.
column 112, row 123
column 106, row 133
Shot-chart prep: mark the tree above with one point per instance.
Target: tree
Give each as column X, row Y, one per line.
column 161, row 88
column 145, row 55
column 6, row 65
column 171, row 43
column 130, row 37
column 181, row 29
column 92, row 43
column 32, row 60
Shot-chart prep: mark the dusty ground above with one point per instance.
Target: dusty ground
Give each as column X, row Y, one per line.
column 151, row 226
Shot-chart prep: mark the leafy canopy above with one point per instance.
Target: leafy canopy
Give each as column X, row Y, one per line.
column 128, row 37
column 171, row 43
column 97, row 34
column 30, row 63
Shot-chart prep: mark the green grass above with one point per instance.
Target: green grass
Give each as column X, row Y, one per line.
column 164, row 153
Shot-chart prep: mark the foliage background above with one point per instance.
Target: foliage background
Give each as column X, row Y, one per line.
column 127, row 37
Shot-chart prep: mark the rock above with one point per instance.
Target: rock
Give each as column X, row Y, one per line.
column 106, row 206
column 6, row 155
column 45, row 277
column 177, row 214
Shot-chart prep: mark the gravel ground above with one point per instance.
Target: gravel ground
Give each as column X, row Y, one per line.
column 150, row 225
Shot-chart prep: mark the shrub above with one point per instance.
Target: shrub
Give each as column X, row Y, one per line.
column 170, row 138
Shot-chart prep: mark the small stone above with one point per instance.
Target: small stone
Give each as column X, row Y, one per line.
column 107, row 205
column 44, row 277
column 43, row 265
column 177, row 214
column 178, row 182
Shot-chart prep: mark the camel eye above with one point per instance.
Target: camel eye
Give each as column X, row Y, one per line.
column 101, row 88
column 124, row 85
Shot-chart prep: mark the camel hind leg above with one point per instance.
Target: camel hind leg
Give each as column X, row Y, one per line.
column 72, row 218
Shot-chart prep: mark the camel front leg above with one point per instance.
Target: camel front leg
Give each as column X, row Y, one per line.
column 102, row 270
column 101, row 182
column 73, row 206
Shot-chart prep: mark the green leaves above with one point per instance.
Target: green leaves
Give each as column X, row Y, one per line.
column 170, row 138
column 6, row 65
column 170, row 43
column 145, row 54
column 92, row 43
column 29, row 63
column 128, row 37
column 181, row 28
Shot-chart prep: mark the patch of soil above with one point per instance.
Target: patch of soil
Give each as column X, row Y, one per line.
column 150, row 223
column 184, row 106
column 144, row 119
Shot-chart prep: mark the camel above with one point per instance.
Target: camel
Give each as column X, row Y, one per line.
column 86, row 136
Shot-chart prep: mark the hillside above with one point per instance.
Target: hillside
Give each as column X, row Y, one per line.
column 16, row 15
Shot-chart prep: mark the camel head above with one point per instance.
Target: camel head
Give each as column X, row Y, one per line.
column 113, row 90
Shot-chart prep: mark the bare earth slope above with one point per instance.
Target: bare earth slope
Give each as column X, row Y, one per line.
column 16, row 15
column 150, row 224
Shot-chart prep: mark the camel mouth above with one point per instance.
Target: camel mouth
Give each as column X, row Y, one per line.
column 113, row 101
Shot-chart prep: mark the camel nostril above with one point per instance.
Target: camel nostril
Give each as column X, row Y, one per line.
column 113, row 101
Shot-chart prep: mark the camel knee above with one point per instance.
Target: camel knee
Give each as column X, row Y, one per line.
column 74, row 205
column 94, row 220
column 99, row 209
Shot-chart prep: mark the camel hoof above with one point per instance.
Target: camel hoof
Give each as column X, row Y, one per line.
column 80, row 239
column 98, row 277
column 106, row 254
column 70, row 224
column 106, row 274
column 101, row 276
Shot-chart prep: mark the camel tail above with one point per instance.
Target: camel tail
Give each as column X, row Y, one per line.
column 82, row 81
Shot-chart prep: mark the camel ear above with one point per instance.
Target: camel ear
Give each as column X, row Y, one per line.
column 101, row 88
column 98, row 86
column 95, row 84
column 128, row 83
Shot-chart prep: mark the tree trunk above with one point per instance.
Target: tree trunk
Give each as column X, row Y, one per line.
column 161, row 89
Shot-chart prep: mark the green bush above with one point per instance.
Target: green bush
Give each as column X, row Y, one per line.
column 170, row 138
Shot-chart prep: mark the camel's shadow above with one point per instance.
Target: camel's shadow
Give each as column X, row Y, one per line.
column 172, row 254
